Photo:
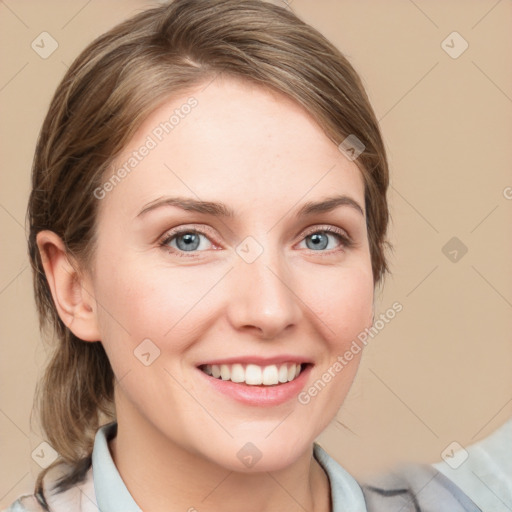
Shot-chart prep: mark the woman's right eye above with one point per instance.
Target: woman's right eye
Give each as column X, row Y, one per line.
column 183, row 241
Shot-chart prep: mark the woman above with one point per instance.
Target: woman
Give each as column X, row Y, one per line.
column 207, row 227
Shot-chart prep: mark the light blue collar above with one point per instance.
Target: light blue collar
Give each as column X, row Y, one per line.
column 111, row 492
column 346, row 494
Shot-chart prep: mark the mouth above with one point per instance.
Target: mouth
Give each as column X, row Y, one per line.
column 254, row 374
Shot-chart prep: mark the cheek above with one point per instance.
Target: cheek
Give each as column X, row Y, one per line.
column 343, row 301
column 138, row 301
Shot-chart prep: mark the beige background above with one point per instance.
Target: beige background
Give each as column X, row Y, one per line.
column 441, row 370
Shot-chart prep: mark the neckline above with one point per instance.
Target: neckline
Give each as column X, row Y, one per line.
column 113, row 495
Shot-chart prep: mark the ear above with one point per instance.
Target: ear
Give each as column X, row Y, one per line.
column 71, row 291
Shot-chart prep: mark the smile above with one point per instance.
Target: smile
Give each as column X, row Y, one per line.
column 253, row 374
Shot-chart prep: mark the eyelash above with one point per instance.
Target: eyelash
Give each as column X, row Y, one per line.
column 345, row 240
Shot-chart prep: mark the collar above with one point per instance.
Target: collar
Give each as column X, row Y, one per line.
column 111, row 492
column 346, row 495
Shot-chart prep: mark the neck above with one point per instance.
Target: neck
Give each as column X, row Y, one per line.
column 163, row 476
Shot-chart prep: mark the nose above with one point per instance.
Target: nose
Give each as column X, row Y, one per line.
column 263, row 298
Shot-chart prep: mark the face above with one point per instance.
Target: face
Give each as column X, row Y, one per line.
column 252, row 284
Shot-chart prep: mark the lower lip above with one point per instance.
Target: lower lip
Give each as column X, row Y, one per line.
column 262, row 396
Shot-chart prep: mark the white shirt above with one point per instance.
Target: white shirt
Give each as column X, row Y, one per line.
column 485, row 470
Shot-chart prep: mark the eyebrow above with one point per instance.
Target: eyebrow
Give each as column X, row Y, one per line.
column 221, row 210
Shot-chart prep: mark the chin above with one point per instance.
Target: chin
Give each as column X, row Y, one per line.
column 260, row 454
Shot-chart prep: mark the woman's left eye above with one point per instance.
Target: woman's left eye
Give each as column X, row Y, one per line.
column 319, row 239
column 191, row 240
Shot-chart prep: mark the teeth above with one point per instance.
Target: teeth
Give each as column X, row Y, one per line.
column 283, row 373
column 270, row 375
column 225, row 372
column 253, row 374
column 237, row 373
column 215, row 370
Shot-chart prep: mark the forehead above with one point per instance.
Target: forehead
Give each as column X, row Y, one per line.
column 233, row 141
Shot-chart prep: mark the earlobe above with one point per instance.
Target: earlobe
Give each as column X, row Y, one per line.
column 72, row 295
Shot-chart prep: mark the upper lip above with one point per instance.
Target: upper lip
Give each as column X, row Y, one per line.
column 258, row 360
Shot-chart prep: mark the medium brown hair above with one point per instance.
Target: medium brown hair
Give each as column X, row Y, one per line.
column 108, row 91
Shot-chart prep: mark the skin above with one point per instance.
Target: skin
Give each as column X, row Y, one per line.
column 263, row 155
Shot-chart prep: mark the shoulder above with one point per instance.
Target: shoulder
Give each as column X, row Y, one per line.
column 25, row 503
column 413, row 488
column 484, row 469
column 78, row 498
